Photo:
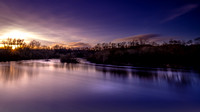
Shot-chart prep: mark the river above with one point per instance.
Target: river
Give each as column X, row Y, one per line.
column 51, row 86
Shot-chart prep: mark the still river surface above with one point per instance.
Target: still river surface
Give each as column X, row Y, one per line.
column 50, row 86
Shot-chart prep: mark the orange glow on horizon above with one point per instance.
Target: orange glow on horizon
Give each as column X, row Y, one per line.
column 13, row 47
column 17, row 34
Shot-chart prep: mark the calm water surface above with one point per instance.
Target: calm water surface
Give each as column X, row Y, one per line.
column 40, row 86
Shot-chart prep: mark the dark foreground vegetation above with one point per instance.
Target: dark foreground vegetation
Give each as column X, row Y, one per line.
column 174, row 53
column 34, row 50
column 69, row 58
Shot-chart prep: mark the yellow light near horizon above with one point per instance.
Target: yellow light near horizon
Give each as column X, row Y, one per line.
column 16, row 34
column 13, row 47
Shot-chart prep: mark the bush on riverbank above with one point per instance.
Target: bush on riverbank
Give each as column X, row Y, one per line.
column 69, row 58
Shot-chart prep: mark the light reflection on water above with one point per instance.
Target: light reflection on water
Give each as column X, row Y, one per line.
column 10, row 71
column 37, row 85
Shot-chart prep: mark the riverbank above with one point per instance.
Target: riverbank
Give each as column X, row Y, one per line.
column 164, row 56
column 172, row 56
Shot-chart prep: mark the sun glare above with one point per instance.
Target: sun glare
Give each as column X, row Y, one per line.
column 13, row 47
column 16, row 34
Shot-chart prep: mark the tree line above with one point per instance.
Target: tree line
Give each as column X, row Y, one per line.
column 146, row 42
column 20, row 43
column 174, row 53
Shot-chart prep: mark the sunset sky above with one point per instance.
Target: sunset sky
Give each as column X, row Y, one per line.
column 93, row 21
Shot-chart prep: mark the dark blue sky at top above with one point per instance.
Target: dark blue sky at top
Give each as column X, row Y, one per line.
column 105, row 20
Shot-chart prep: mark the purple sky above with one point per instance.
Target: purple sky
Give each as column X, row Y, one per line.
column 93, row 21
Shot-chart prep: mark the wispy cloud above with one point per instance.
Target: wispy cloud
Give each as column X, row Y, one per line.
column 78, row 44
column 138, row 37
column 180, row 11
column 49, row 29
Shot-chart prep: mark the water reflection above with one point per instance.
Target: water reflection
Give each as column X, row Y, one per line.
column 33, row 63
column 114, row 72
column 142, row 74
column 72, row 86
column 173, row 77
column 177, row 79
column 10, row 71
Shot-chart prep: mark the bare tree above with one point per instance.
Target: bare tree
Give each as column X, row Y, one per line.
column 9, row 43
column 34, row 44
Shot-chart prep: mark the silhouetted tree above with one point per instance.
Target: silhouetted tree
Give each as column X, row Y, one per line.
column 57, row 47
column 34, row 44
column 9, row 43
